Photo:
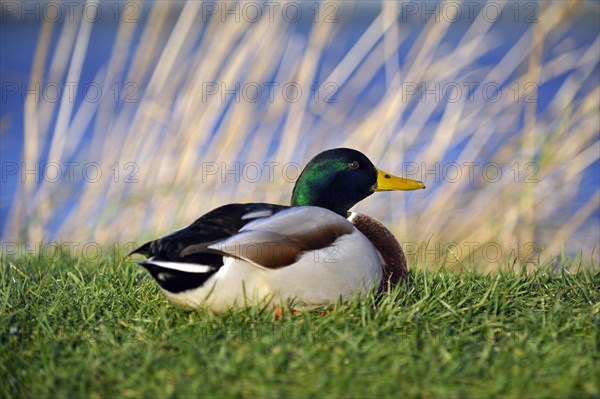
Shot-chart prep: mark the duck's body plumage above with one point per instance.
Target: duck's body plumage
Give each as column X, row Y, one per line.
column 307, row 254
column 241, row 255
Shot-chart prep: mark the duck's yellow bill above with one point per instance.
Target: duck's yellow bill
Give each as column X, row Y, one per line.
column 387, row 182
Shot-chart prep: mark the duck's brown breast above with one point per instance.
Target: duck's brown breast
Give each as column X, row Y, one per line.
column 394, row 261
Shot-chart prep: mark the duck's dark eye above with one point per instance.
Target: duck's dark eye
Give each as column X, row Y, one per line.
column 353, row 165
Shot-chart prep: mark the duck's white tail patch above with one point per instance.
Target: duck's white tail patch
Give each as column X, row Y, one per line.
column 182, row 267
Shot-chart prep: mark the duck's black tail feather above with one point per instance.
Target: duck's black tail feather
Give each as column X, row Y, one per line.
column 143, row 250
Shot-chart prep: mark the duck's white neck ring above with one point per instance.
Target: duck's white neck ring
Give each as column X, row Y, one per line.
column 352, row 217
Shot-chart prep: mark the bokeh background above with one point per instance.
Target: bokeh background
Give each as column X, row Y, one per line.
column 121, row 121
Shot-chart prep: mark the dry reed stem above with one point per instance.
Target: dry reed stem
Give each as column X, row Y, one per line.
column 174, row 129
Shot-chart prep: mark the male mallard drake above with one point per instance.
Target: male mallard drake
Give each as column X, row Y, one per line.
column 313, row 252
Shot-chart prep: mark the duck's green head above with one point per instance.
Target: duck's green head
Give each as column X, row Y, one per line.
column 337, row 179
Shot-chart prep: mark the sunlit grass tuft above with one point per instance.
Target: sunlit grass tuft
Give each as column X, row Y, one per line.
column 75, row 328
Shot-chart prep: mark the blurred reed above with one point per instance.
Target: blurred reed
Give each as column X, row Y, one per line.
column 175, row 129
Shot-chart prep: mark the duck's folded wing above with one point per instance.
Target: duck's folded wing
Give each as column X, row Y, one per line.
column 213, row 227
column 279, row 240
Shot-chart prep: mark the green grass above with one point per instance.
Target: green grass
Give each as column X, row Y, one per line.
column 70, row 328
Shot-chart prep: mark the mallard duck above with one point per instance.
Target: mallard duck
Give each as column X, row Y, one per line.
column 314, row 252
